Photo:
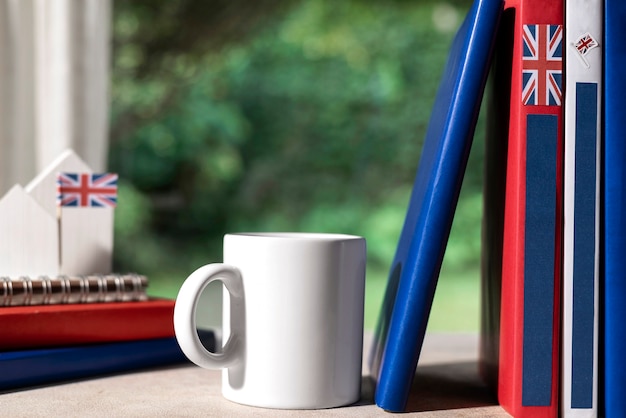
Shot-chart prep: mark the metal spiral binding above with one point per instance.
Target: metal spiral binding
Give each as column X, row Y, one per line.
column 43, row 290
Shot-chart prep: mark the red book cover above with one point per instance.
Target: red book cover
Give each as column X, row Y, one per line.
column 25, row 327
column 528, row 377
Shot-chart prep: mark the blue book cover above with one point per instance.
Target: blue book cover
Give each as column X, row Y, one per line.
column 416, row 265
column 614, row 205
column 44, row 366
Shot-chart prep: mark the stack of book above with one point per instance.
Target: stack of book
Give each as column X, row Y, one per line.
column 554, row 286
column 59, row 320
column 55, row 329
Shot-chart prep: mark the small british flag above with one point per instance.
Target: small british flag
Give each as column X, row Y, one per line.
column 87, row 190
column 583, row 45
column 542, row 64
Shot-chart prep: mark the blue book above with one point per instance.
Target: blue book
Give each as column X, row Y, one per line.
column 44, row 366
column 614, row 206
column 415, row 269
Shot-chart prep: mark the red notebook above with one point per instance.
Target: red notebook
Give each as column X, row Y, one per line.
column 25, row 327
column 531, row 264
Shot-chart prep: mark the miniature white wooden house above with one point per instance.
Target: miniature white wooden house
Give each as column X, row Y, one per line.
column 28, row 236
column 37, row 237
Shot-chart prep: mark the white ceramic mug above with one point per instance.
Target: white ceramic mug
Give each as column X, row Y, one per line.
column 293, row 319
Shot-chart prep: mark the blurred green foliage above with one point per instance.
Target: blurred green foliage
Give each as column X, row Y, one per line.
column 303, row 115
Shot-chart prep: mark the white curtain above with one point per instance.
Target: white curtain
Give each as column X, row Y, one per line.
column 54, row 78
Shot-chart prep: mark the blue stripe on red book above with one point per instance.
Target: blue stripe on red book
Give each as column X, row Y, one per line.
column 87, row 190
column 584, row 245
column 539, row 259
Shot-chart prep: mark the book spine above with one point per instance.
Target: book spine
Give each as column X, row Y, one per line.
column 494, row 187
column 72, row 289
column 614, row 203
column 84, row 323
column 581, row 246
column 531, row 264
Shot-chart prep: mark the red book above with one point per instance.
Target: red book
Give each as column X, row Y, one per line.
column 25, row 327
column 531, row 263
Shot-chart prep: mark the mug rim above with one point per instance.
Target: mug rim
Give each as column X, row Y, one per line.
column 303, row 236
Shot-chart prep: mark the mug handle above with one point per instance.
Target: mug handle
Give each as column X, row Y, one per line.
column 185, row 316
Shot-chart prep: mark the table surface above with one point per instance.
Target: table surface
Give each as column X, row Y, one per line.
column 446, row 385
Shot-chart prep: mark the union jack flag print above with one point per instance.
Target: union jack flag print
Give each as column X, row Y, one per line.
column 87, row 190
column 542, row 65
column 585, row 43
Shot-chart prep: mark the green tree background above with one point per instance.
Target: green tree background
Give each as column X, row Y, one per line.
column 301, row 115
